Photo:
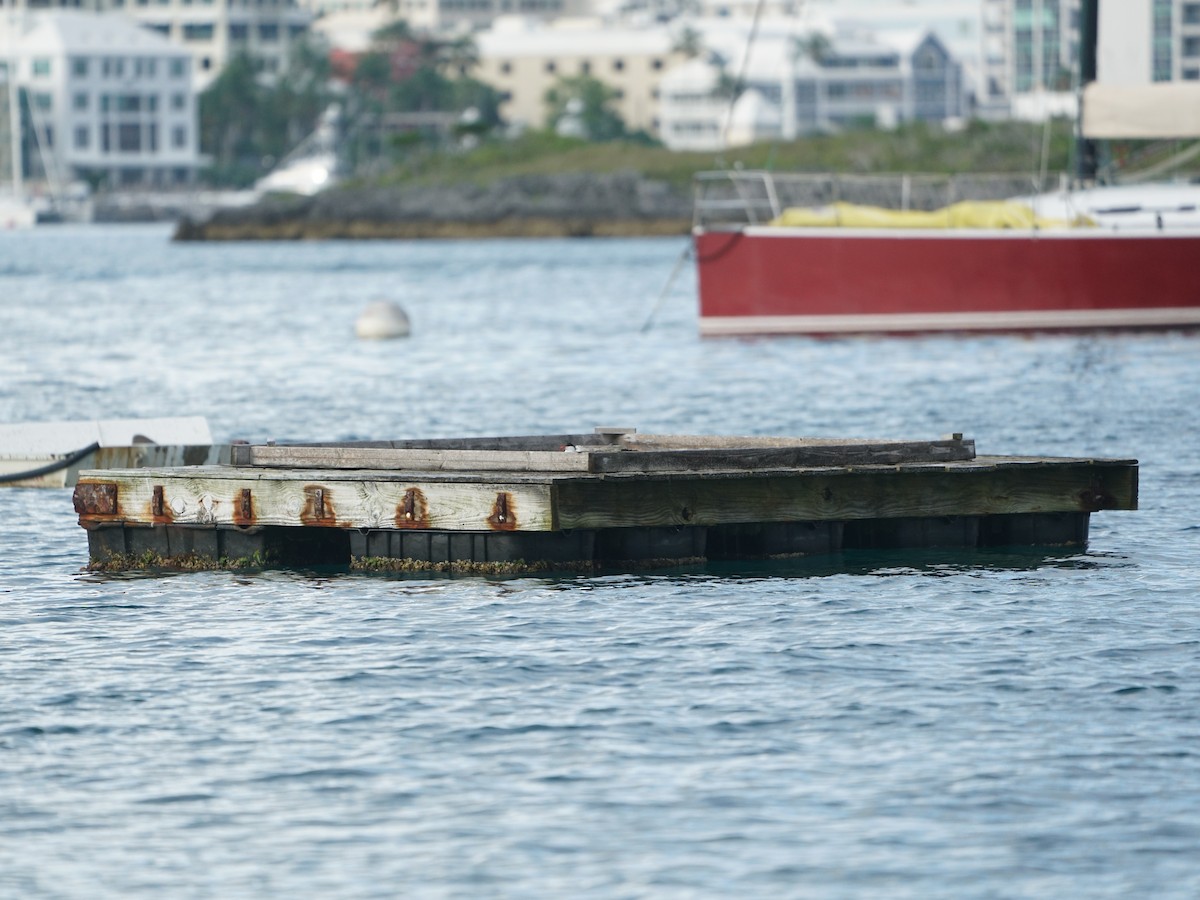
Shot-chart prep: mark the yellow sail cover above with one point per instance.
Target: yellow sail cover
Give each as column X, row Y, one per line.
column 967, row 214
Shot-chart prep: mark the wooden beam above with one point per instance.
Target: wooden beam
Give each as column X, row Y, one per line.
column 212, row 497
column 955, row 489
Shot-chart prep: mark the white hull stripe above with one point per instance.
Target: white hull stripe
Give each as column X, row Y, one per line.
column 989, row 321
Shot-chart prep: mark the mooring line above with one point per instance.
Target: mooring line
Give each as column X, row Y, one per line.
column 687, row 251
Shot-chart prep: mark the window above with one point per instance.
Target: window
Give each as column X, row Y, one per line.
column 198, row 31
column 43, row 102
column 1191, row 14
column 268, row 32
column 238, row 31
column 550, row 66
column 178, row 68
column 80, row 102
column 79, row 66
column 179, row 137
column 83, row 137
column 41, row 67
column 129, row 103
column 656, row 65
column 1191, row 46
column 585, row 68
column 178, row 102
column 618, row 65
column 505, row 68
column 129, row 137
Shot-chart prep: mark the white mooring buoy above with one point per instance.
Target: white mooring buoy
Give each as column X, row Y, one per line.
column 381, row 320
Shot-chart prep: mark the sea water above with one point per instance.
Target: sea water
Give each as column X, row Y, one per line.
column 871, row 725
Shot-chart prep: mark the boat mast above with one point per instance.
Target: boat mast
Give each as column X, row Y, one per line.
column 1086, row 163
column 14, row 101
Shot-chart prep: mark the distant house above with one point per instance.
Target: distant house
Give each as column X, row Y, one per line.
column 106, row 99
column 797, row 83
column 523, row 60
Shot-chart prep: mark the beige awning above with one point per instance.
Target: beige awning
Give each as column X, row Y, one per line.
column 1152, row 111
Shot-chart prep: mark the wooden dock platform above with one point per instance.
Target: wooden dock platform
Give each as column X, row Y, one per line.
column 611, row 498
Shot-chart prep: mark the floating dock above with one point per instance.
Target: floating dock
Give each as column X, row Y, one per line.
column 611, row 498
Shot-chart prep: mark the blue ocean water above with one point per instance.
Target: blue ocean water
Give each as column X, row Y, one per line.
column 888, row 725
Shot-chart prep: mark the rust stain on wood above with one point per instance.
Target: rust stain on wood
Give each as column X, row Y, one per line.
column 413, row 510
column 243, row 508
column 504, row 513
column 160, row 512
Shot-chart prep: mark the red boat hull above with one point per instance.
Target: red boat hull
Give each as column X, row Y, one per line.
column 840, row 281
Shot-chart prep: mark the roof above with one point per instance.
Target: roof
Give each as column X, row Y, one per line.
column 508, row 37
column 77, row 31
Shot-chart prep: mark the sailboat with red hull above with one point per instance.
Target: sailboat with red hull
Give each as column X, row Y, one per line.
column 1122, row 257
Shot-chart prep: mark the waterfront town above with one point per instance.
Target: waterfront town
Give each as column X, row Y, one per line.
column 137, row 95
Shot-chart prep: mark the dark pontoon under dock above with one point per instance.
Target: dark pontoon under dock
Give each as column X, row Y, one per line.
column 612, row 498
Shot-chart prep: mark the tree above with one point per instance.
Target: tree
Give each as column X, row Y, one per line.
column 689, row 42
column 584, row 103
column 815, row 46
column 247, row 124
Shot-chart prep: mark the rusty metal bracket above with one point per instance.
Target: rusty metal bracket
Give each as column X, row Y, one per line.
column 95, row 499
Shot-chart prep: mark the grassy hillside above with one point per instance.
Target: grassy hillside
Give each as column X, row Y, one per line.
column 981, row 147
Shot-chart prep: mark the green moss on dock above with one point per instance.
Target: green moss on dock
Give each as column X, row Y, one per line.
column 151, row 560
column 512, row 567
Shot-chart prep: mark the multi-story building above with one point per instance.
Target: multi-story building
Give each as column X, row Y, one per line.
column 213, row 30
column 798, row 83
column 1032, row 46
column 1159, row 40
column 448, row 16
column 107, row 100
column 523, row 61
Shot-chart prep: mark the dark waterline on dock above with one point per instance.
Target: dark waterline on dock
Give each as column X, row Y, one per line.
column 882, row 724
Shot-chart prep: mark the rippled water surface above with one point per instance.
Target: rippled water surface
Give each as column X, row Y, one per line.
column 899, row 725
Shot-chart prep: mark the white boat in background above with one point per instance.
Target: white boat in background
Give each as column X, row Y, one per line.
column 312, row 166
column 16, row 212
column 52, row 454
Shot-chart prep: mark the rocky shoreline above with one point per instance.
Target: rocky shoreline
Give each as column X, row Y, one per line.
column 619, row 204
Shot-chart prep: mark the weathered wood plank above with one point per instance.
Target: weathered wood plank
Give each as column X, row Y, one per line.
column 413, row 460
column 546, row 443
column 186, row 498
column 843, row 495
column 659, row 454
column 811, row 455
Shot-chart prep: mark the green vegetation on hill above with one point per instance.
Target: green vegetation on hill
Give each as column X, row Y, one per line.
column 980, row 148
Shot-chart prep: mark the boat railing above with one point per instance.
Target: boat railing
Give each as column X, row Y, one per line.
column 739, row 197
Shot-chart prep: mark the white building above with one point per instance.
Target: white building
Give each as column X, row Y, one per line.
column 443, row 16
column 213, row 31
column 523, row 60
column 798, row 82
column 107, row 98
